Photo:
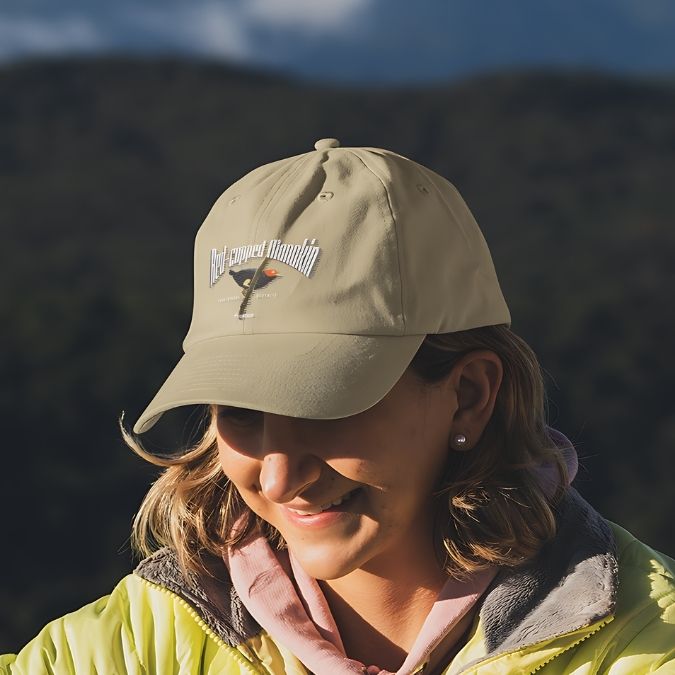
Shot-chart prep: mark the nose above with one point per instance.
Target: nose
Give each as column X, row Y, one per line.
column 288, row 465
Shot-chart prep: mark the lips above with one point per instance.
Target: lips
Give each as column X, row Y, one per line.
column 313, row 510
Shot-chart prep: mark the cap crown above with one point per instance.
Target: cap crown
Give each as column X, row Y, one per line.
column 356, row 241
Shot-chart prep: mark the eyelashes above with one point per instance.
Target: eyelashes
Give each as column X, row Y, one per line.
column 242, row 418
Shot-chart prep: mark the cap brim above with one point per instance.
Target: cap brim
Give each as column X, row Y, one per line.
column 314, row 376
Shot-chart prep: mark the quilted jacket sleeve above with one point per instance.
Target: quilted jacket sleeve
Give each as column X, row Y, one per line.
column 94, row 639
column 139, row 629
column 644, row 640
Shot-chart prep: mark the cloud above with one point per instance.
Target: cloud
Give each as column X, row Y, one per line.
column 652, row 14
column 226, row 29
column 33, row 35
column 211, row 28
column 306, row 15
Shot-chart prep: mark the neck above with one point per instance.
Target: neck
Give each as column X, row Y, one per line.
column 379, row 609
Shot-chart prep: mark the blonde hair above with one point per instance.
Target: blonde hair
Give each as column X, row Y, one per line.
column 493, row 507
column 496, row 507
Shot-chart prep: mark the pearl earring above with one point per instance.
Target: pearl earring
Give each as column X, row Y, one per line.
column 460, row 441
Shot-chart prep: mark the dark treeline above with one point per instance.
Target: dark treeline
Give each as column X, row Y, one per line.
column 108, row 167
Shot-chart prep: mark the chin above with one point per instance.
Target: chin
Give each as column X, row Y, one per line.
column 325, row 570
column 327, row 562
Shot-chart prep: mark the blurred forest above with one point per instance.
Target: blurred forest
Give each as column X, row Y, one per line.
column 107, row 169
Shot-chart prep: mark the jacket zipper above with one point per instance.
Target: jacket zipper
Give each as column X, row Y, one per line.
column 241, row 660
column 574, row 644
column 472, row 668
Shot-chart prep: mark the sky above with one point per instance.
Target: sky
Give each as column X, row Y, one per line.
column 377, row 41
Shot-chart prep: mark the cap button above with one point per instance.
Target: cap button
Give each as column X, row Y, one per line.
column 326, row 143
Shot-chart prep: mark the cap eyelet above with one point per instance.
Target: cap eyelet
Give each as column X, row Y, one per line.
column 423, row 189
column 324, row 196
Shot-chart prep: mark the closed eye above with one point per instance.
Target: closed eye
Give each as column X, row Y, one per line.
column 239, row 417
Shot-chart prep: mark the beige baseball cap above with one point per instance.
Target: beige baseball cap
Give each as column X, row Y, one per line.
column 316, row 279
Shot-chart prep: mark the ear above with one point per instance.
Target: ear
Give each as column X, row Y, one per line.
column 476, row 379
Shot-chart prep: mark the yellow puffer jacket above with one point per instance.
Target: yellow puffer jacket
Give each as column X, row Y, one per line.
column 596, row 600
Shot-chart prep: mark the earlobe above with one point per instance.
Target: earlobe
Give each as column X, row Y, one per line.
column 477, row 379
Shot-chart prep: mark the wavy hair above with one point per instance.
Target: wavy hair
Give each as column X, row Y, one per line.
column 492, row 506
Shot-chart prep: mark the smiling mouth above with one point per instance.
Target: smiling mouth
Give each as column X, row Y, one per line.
column 312, row 511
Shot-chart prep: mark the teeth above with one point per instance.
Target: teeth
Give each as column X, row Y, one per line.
column 323, row 507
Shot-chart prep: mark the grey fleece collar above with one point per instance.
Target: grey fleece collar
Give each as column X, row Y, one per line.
column 213, row 597
column 571, row 584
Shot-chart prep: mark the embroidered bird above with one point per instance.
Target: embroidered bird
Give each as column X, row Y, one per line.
column 244, row 278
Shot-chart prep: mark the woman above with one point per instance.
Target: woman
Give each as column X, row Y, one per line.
column 376, row 489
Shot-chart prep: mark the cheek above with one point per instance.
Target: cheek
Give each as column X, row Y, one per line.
column 243, row 471
column 407, row 455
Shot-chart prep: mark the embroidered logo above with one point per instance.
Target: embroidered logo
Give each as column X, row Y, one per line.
column 301, row 257
column 245, row 277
